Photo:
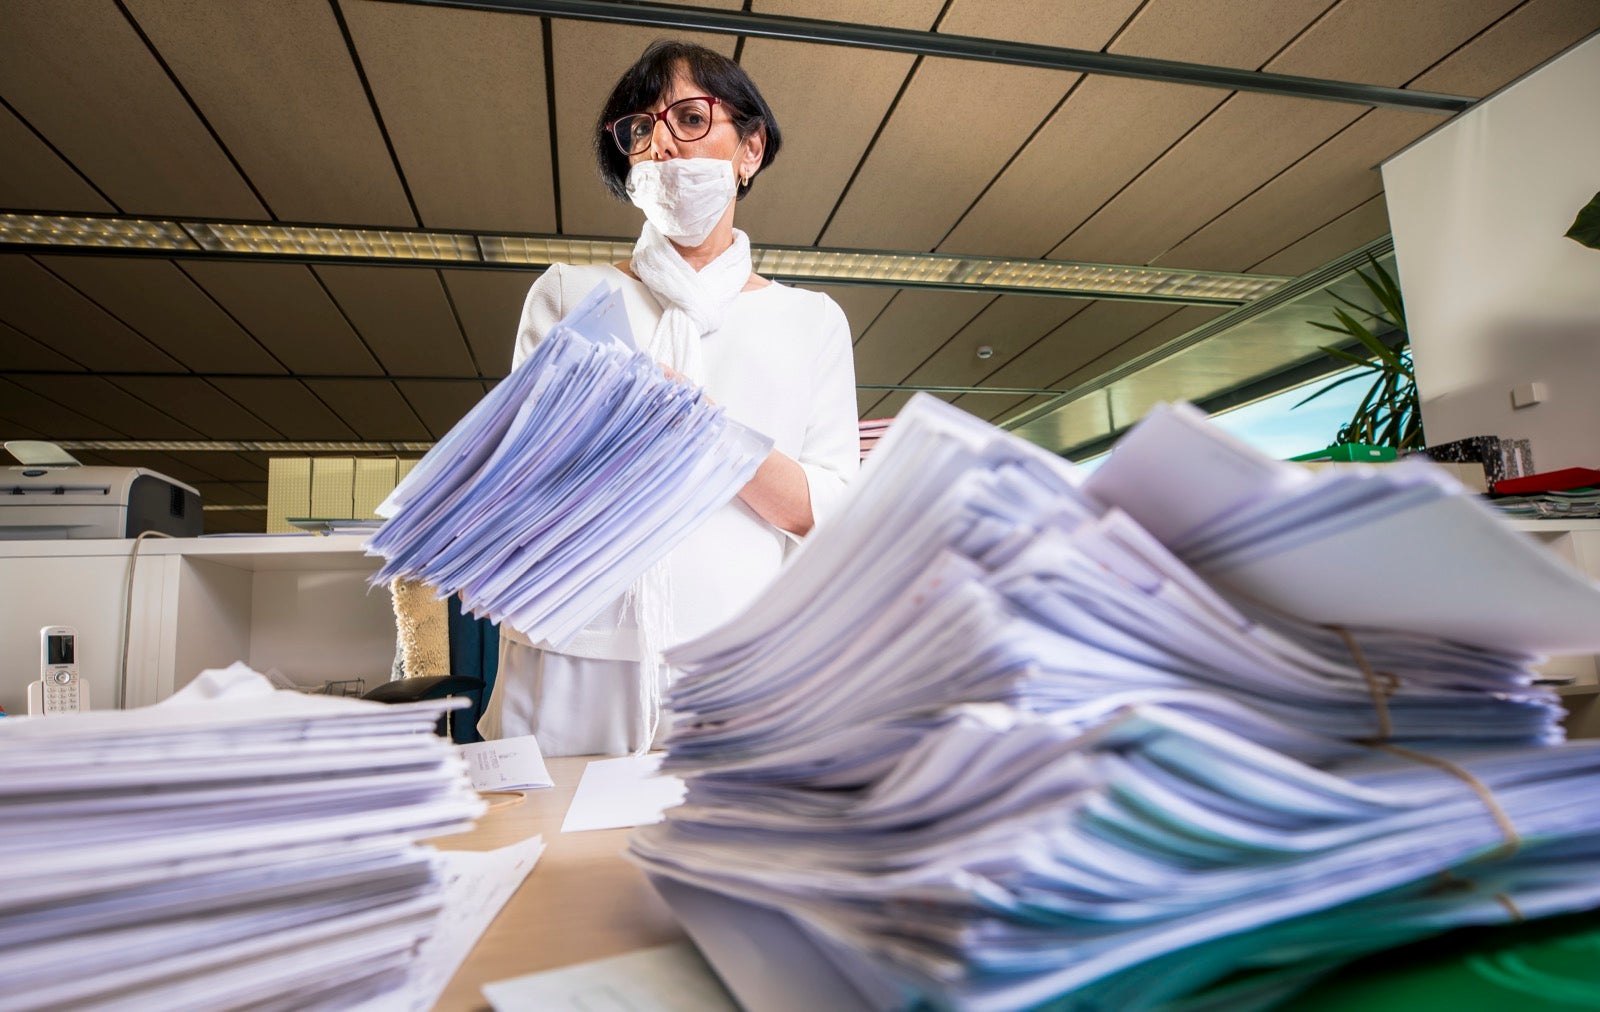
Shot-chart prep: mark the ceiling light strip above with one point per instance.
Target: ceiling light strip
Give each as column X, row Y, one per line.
column 243, row 446
column 336, row 244
column 965, row 47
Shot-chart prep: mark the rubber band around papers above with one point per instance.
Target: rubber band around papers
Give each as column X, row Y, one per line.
column 1451, row 882
column 1381, row 684
column 1513, row 839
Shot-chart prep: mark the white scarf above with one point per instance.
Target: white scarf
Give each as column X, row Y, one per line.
column 694, row 304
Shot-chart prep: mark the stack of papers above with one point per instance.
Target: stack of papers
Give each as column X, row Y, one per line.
column 578, row 472
column 1566, row 504
column 871, row 430
column 233, row 846
column 999, row 734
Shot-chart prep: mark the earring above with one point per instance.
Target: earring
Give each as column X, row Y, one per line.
column 744, row 179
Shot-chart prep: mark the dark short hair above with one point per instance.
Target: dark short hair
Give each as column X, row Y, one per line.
column 648, row 79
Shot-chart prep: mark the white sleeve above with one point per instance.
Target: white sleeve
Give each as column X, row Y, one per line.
column 831, row 453
column 541, row 311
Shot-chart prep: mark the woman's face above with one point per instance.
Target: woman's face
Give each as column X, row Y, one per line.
column 722, row 141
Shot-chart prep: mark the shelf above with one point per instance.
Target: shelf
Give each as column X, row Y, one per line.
column 1552, row 526
column 253, row 552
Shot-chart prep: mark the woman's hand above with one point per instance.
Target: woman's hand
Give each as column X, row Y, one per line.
column 673, row 374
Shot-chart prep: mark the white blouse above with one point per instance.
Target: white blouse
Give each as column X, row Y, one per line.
column 781, row 363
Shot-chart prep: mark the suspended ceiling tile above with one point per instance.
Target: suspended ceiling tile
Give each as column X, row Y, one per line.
column 1224, row 33
column 227, row 493
column 917, row 15
column 276, row 82
column 1085, row 24
column 82, row 77
column 235, row 521
column 19, row 351
column 589, row 58
column 1338, row 176
column 1155, row 336
column 287, row 405
column 953, row 130
column 403, row 315
column 1072, row 424
column 895, row 402
column 235, row 467
column 441, row 404
column 828, row 101
column 110, row 405
column 1101, row 325
column 1349, row 231
column 158, row 300
column 199, row 404
column 462, row 95
column 10, row 429
column 1102, row 136
column 374, row 409
column 1007, row 326
column 34, row 177
column 1249, row 139
column 1529, row 35
column 911, row 329
column 51, row 312
column 1111, row 128
column 27, row 409
column 184, row 467
column 861, row 303
column 489, row 306
column 286, row 308
column 1382, row 42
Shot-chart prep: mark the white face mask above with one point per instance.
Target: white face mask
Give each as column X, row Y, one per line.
column 684, row 198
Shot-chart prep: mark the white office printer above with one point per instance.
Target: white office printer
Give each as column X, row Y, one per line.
column 50, row 495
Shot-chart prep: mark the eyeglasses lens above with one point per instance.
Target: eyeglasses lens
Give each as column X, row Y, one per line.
column 688, row 120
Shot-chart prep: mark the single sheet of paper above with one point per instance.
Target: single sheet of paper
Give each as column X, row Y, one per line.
column 619, row 793
column 508, row 764
column 476, row 886
column 672, row 978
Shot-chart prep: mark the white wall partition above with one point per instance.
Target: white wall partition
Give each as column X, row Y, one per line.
column 1495, row 296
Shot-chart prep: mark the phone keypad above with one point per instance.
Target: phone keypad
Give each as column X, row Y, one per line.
column 60, row 691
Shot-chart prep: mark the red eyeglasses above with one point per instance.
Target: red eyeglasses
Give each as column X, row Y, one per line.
column 688, row 119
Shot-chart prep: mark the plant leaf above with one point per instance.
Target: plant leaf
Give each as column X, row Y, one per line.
column 1345, row 356
column 1336, row 383
column 1379, row 350
column 1585, row 228
column 1383, row 288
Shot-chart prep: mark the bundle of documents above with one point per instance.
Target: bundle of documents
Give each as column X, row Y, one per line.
column 1566, row 504
column 578, row 472
column 232, row 846
column 870, row 431
column 1000, row 734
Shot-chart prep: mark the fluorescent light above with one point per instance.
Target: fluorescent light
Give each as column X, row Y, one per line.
column 542, row 251
column 104, row 233
column 245, row 445
column 322, row 241
column 815, row 266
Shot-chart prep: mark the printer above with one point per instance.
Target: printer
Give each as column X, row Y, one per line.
column 44, row 502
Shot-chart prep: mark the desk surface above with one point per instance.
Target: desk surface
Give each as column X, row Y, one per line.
column 582, row 901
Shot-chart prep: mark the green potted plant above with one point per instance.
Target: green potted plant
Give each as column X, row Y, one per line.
column 1390, row 414
column 1585, row 228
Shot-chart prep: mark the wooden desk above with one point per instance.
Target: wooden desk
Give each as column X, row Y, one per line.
column 582, row 901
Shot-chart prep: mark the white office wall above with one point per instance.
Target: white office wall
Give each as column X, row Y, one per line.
column 1495, row 295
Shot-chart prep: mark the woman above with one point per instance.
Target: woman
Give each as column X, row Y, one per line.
column 683, row 136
